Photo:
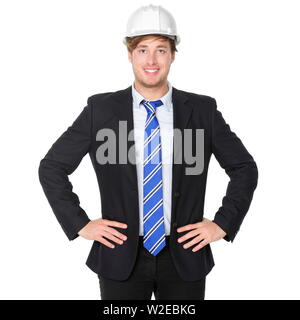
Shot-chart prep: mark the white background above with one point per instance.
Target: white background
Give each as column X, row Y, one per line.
column 55, row 54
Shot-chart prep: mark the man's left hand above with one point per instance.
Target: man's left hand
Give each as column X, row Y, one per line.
column 202, row 233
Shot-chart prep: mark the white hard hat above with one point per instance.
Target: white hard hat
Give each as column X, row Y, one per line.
column 152, row 20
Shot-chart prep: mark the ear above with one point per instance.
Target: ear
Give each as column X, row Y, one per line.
column 173, row 57
column 129, row 56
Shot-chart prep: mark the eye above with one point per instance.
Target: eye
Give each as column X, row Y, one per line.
column 142, row 50
column 162, row 50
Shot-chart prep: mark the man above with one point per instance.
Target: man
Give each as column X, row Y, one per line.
column 152, row 237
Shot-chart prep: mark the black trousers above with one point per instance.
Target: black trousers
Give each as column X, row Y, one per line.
column 152, row 274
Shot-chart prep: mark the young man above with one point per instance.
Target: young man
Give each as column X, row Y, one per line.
column 152, row 236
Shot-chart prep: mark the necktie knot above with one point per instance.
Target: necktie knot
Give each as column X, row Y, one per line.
column 152, row 105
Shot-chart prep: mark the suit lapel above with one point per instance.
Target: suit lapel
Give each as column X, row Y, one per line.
column 182, row 113
column 123, row 110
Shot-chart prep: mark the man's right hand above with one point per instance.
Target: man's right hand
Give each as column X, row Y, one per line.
column 100, row 229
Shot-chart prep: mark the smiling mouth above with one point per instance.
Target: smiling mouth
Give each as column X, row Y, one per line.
column 151, row 71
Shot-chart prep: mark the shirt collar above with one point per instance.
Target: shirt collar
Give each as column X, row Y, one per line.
column 166, row 99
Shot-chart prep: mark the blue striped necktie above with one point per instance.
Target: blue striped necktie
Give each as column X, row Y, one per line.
column 153, row 215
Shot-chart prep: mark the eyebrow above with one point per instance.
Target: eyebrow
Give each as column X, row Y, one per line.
column 145, row 46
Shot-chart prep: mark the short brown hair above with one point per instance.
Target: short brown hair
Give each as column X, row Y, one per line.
column 132, row 42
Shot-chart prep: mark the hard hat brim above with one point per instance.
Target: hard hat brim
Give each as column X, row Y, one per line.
column 173, row 37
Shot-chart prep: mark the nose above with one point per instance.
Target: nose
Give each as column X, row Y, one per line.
column 151, row 59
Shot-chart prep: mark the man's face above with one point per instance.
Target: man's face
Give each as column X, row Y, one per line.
column 151, row 61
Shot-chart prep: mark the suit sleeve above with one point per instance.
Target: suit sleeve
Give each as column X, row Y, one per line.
column 241, row 168
column 60, row 161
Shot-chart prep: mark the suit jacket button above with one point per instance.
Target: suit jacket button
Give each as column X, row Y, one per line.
column 176, row 194
column 174, row 224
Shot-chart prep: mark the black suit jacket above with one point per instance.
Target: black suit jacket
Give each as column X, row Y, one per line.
column 118, row 182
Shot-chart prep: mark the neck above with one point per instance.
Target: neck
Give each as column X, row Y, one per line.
column 152, row 93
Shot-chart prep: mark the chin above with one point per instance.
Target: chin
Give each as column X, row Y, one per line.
column 152, row 82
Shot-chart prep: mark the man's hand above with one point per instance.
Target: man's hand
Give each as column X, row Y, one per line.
column 205, row 231
column 100, row 228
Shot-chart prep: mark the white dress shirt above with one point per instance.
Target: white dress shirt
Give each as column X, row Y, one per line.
column 164, row 115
